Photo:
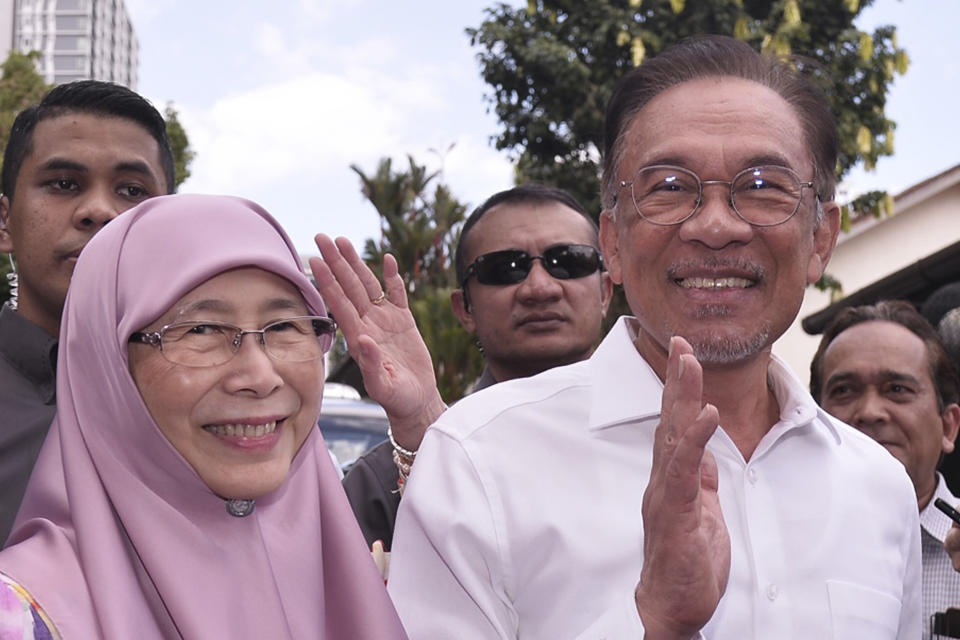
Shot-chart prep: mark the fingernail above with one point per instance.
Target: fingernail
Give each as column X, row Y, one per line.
column 680, row 368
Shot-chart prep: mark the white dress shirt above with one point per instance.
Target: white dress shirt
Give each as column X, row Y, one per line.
column 941, row 584
column 522, row 516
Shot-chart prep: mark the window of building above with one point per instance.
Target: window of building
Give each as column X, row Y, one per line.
column 71, row 23
column 69, row 63
column 70, row 43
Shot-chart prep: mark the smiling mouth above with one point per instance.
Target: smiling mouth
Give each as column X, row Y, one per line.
column 242, row 430
column 715, row 283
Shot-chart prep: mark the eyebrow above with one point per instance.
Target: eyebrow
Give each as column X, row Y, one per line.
column 886, row 375
column 65, row 164
column 753, row 161
column 215, row 305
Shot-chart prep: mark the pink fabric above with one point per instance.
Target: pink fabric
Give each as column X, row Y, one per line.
column 123, row 539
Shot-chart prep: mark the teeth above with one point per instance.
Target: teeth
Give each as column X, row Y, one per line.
column 714, row 283
column 242, row 430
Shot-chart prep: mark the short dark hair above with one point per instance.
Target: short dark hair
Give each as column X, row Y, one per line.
column 942, row 370
column 529, row 193
column 717, row 56
column 942, row 310
column 85, row 96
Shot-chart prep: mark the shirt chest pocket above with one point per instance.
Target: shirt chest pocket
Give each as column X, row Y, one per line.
column 861, row 612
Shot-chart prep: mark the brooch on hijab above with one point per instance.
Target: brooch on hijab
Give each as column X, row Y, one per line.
column 239, row 508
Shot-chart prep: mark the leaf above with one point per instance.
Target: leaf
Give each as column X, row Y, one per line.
column 791, row 14
column 866, row 47
column 901, row 61
column 853, row 6
column 635, row 3
column 623, row 38
column 741, row 30
column 888, row 204
column 677, row 6
column 864, row 139
column 637, row 51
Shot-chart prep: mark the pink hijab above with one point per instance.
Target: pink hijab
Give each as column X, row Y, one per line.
column 118, row 537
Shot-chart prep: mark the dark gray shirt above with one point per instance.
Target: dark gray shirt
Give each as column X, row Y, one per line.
column 28, row 397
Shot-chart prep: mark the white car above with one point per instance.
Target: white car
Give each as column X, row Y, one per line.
column 351, row 426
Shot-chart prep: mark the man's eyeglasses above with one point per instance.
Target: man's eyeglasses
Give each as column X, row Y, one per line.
column 564, row 262
column 763, row 196
column 208, row 344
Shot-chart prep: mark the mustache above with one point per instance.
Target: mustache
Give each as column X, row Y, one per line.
column 714, row 263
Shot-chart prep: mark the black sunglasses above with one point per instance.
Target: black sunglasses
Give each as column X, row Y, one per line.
column 564, row 261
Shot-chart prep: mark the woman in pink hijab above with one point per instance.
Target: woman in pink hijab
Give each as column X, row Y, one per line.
column 184, row 490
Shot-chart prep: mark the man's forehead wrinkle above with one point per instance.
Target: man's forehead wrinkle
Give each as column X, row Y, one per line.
column 674, row 120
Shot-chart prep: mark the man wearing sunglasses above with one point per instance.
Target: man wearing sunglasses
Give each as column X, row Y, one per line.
column 532, row 291
column 681, row 482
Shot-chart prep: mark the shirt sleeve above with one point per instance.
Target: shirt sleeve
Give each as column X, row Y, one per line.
column 447, row 571
column 911, row 622
column 450, row 570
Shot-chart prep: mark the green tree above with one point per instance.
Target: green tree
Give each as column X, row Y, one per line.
column 183, row 154
column 420, row 223
column 20, row 86
column 552, row 64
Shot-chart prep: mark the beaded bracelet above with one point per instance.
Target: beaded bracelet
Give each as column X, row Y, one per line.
column 396, row 447
column 404, row 467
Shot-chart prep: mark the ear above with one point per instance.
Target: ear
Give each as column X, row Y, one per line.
column 951, row 424
column 6, row 241
column 606, row 292
column 459, row 303
column 609, row 247
column 824, row 241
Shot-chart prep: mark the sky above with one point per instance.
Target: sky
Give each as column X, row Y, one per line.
column 279, row 103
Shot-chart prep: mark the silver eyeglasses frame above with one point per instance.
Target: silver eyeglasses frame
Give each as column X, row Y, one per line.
column 731, row 200
column 156, row 338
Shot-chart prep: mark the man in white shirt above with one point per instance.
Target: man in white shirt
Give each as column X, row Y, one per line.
column 882, row 369
column 681, row 481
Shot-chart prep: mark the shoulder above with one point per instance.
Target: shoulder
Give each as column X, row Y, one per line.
column 523, row 399
column 21, row 618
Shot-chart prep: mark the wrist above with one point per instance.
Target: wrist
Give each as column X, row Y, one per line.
column 658, row 627
column 408, row 432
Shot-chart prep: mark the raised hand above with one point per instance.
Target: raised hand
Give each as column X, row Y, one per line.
column 381, row 336
column 686, row 550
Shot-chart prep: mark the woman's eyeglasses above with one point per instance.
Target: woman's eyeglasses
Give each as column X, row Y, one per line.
column 564, row 262
column 208, row 344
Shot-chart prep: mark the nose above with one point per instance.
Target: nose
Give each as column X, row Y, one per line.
column 539, row 285
column 251, row 370
column 715, row 223
column 97, row 207
column 869, row 411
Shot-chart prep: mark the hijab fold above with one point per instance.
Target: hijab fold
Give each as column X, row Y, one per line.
column 118, row 537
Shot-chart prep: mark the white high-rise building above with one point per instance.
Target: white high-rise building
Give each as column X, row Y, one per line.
column 77, row 39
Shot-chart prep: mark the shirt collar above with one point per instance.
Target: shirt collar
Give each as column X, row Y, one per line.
column 622, row 380
column 932, row 520
column 30, row 350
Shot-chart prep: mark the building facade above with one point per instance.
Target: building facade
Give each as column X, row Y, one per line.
column 904, row 256
column 77, row 39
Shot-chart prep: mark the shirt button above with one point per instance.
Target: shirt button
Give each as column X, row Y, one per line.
column 752, row 475
column 772, row 592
